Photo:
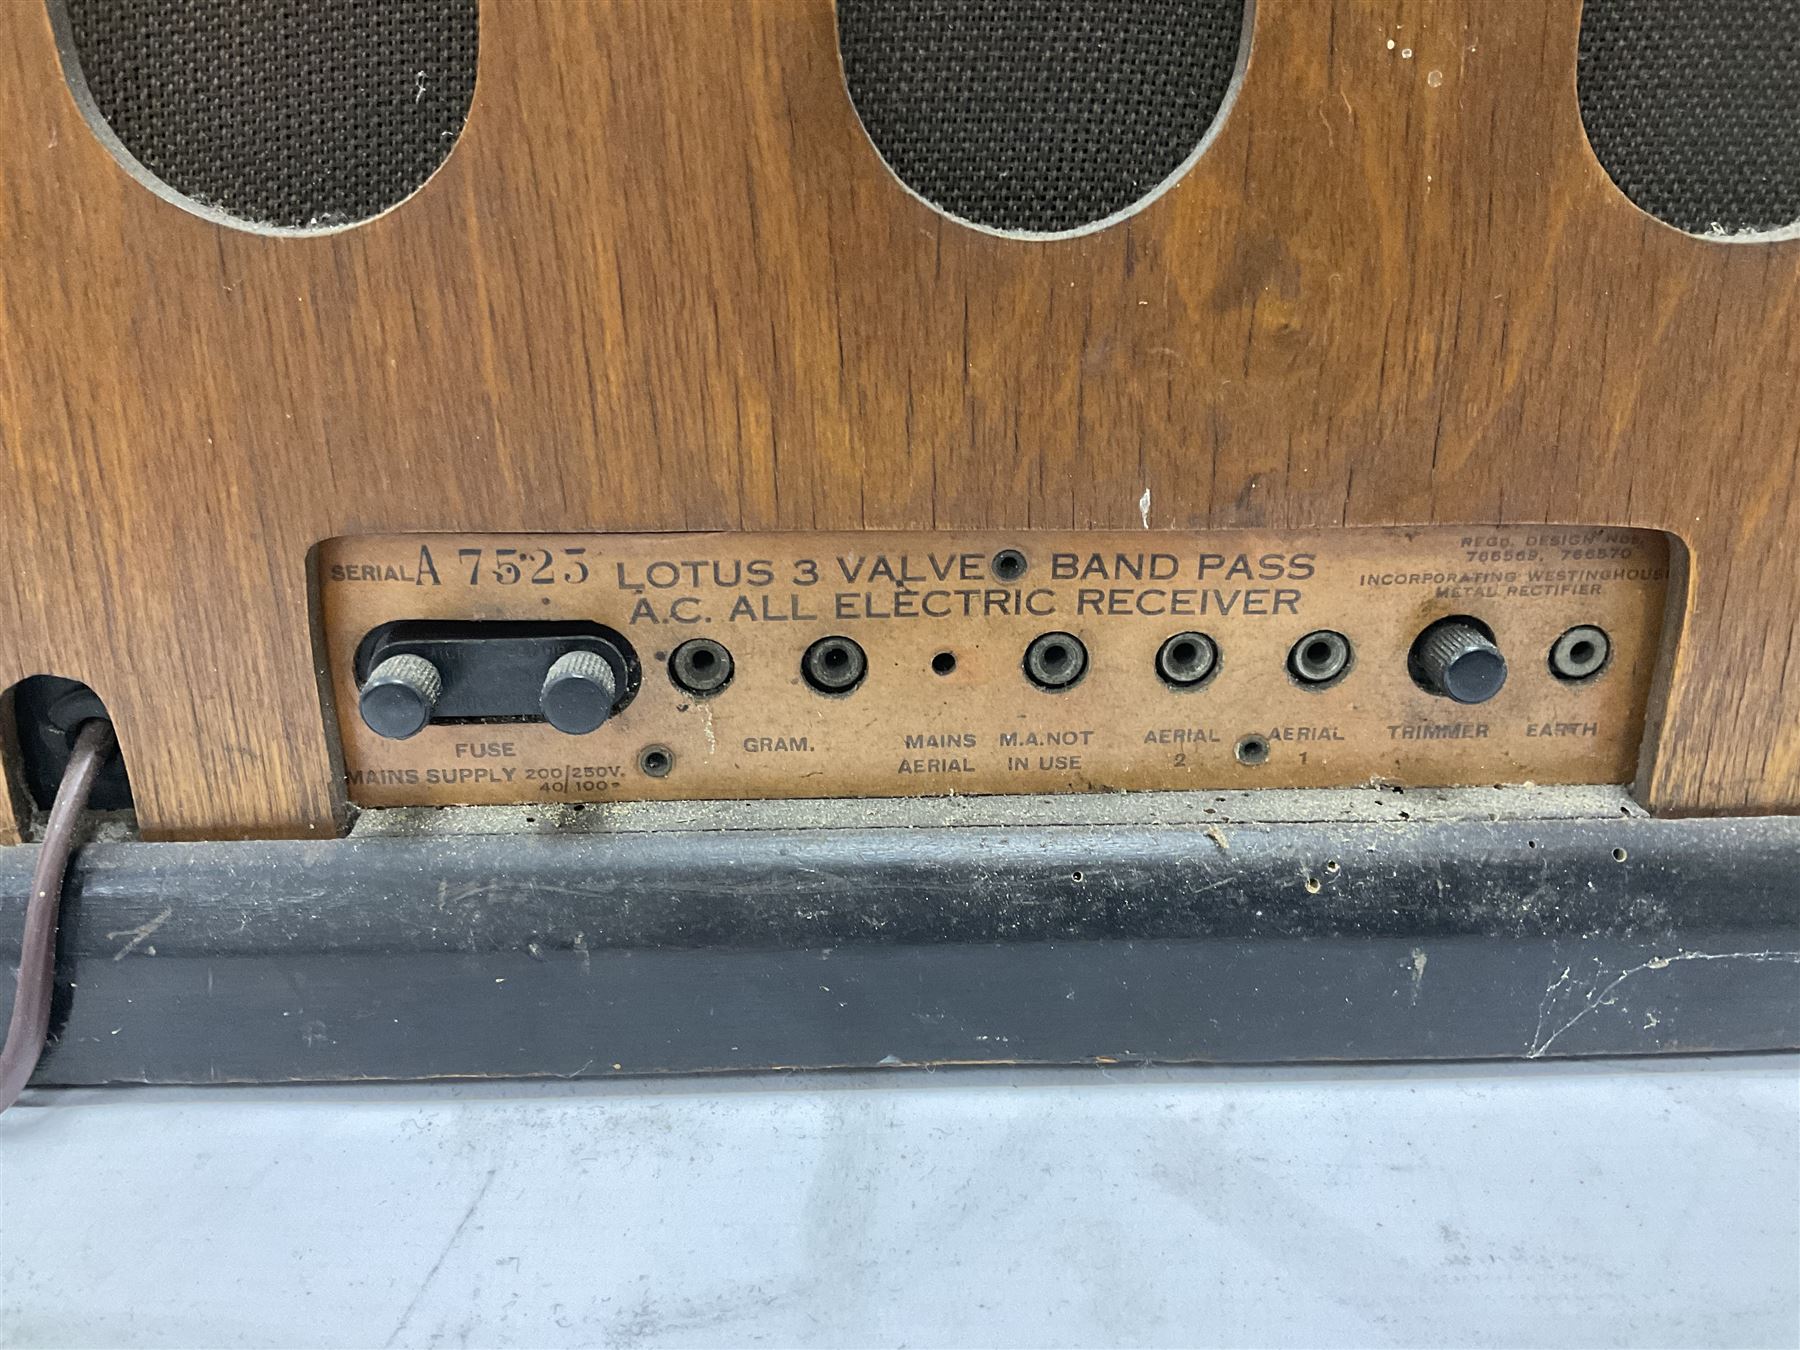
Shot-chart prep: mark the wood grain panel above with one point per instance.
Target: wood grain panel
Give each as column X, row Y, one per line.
column 665, row 283
column 13, row 805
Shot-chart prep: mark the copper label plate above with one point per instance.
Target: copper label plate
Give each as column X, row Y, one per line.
column 946, row 706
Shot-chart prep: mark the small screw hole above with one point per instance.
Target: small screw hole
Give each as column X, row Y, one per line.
column 1619, row 855
column 655, row 761
column 1009, row 564
column 943, row 663
column 1252, row 750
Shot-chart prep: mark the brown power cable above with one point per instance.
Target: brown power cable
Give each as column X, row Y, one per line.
column 37, row 949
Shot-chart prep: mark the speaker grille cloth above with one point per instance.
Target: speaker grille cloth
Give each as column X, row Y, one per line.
column 296, row 113
column 1037, row 115
column 1693, row 107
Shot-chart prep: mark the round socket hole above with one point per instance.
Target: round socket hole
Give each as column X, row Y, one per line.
column 1055, row 661
column 655, row 761
column 1581, row 653
column 1252, row 750
column 1187, row 660
column 943, row 663
column 1009, row 565
column 834, row 665
column 701, row 666
column 1320, row 659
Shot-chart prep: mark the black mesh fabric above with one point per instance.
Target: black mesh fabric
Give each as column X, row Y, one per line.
column 1693, row 107
column 1037, row 116
column 295, row 113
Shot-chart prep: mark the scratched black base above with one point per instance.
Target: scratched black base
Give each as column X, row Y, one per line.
column 697, row 951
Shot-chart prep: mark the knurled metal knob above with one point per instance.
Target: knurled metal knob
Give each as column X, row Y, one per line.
column 397, row 698
column 578, row 693
column 1461, row 662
